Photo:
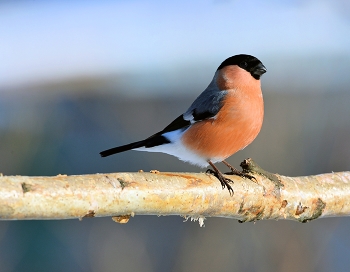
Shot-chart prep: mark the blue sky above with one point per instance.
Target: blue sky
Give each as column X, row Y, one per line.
column 49, row 40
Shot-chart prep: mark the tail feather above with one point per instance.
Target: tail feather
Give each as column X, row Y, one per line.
column 154, row 140
column 122, row 148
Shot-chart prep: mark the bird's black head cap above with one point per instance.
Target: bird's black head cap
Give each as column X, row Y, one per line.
column 247, row 62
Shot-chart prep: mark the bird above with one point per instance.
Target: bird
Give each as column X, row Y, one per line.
column 225, row 118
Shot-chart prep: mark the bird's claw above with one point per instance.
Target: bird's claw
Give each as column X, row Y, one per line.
column 234, row 171
column 224, row 181
column 241, row 174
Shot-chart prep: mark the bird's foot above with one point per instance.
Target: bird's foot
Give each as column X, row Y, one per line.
column 224, row 181
column 236, row 172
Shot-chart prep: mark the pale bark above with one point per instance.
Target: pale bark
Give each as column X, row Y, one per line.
column 122, row 195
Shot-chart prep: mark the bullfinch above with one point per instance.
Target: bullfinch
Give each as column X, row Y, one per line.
column 225, row 118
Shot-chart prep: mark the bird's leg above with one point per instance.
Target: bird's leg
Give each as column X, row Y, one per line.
column 236, row 172
column 224, row 181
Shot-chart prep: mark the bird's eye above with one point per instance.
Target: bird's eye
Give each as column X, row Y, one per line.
column 243, row 64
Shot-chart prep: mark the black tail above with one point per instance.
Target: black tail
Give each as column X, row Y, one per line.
column 152, row 141
column 122, row 148
column 155, row 140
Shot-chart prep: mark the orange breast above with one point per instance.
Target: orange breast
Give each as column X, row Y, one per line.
column 236, row 126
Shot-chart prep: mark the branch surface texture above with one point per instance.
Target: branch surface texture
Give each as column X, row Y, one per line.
column 196, row 196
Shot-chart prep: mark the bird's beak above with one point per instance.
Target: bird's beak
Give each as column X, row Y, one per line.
column 259, row 70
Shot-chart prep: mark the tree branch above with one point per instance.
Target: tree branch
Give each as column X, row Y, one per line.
column 122, row 195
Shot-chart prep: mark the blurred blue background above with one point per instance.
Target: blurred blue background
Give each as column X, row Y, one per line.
column 78, row 77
